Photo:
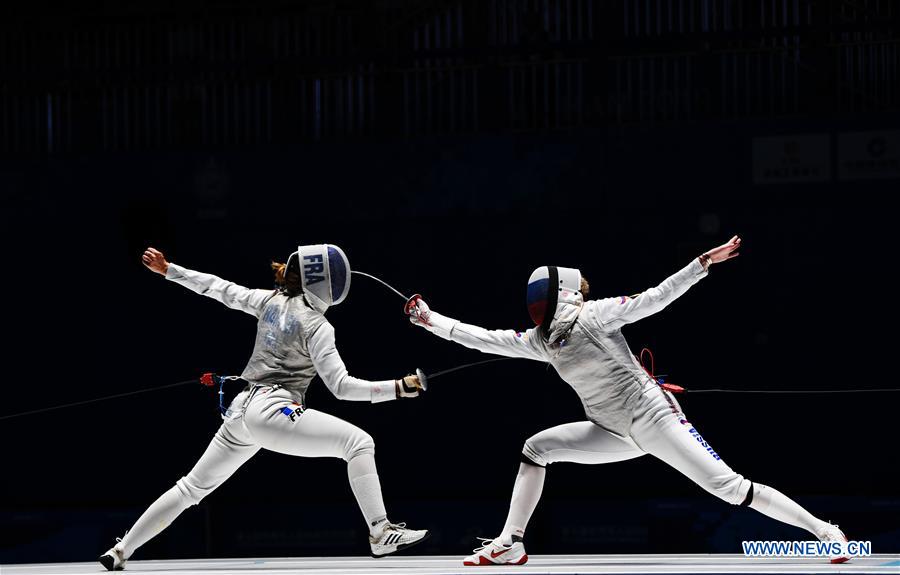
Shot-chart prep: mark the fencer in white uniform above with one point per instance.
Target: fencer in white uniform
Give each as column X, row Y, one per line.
column 294, row 342
column 628, row 413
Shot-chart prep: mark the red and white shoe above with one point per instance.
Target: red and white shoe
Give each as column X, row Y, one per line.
column 832, row 533
column 493, row 552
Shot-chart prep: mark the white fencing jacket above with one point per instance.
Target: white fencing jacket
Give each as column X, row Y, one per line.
column 294, row 342
column 586, row 345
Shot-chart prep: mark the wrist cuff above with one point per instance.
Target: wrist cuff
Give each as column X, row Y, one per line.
column 698, row 269
column 384, row 391
column 173, row 272
column 441, row 326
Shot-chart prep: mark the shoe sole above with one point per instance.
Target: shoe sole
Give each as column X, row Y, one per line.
column 485, row 562
column 109, row 563
column 403, row 546
column 837, row 560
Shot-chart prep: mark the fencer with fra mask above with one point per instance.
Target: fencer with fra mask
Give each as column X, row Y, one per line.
column 294, row 343
column 628, row 413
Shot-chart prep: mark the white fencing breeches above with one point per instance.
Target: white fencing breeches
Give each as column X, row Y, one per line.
column 660, row 429
column 271, row 421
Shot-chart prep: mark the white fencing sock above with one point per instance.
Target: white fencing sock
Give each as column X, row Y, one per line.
column 367, row 490
column 778, row 506
column 156, row 518
column 525, row 497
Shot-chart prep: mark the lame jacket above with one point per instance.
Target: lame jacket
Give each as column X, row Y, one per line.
column 585, row 345
column 294, row 341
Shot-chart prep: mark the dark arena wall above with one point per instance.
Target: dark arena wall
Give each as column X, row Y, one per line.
column 449, row 147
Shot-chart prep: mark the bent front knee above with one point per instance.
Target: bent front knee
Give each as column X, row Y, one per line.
column 359, row 444
column 533, row 455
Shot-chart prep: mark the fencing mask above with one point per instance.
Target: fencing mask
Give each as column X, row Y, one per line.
column 544, row 286
column 324, row 272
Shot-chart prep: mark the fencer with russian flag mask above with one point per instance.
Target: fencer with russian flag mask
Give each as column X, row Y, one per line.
column 294, row 343
column 628, row 413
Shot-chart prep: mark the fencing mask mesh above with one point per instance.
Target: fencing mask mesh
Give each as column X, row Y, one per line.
column 324, row 272
column 543, row 292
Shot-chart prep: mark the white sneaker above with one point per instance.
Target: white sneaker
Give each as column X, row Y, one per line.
column 832, row 533
column 395, row 537
column 493, row 552
column 112, row 559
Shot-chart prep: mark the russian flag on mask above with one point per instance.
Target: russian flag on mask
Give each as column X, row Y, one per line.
column 537, row 297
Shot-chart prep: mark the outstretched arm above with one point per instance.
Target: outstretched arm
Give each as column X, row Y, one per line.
column 506, row 342
column 331, row 369
column 613, row 313
column 232, row 295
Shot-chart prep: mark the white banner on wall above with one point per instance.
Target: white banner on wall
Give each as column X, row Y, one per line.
column 791, row 159
column 869, row 155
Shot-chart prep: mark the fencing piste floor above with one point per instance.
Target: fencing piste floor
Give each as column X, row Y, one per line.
column 439, row 565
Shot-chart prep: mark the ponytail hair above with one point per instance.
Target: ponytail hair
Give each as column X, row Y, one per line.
column 585, row 287
column 279, row 270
